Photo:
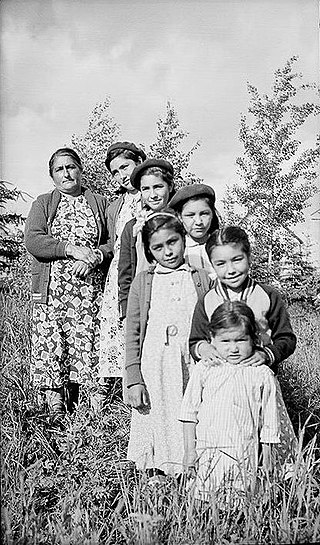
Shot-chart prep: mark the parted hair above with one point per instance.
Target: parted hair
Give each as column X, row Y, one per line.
column 166, row 219
column 62, row 152
column 228, row 235
column 234, row 314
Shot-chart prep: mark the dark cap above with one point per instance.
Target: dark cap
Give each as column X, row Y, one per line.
column 135, row 178
column 122, row 146
column 190, row 191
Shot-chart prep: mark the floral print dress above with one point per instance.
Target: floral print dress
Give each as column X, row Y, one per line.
column 112, row 334
column 65, row 340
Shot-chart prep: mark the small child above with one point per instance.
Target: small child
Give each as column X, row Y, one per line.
column 228, row 408
column 195, row 205
column 160, row 307
column 229, row 252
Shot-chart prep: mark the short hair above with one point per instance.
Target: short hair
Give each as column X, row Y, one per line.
column 234, row 314
column 62, row 152
column 228, row 235
column 165, row 219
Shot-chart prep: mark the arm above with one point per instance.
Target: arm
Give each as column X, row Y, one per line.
column 283, row 338
column 133, row 349
column 198, row 342
column 37, row 239
column 189, row 443
column 125, row 267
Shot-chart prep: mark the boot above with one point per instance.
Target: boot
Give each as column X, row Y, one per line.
column 71, row 396
column 55, row 403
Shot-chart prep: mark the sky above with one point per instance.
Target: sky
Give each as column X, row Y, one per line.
column 59, row 58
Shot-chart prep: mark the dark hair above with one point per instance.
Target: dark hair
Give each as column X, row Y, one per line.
column 210, row 201
column 61, row 152
column 233, row 314
column 165, row 219
column 126, row 153
column 228, row 235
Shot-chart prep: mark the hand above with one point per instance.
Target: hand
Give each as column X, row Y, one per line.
column 258, row 358
column 208, row 354
column 138, row 397
column 82, row 253
column 189, row 463
column 80, row 269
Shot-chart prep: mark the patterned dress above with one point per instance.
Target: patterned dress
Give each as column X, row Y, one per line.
column 234, row 407
column 65, row 339
column 111, row 359
column 156, row 437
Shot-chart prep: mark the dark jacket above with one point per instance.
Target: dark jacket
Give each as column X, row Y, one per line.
column 45, row 248
column 270, row 313
column 112, row 215
column 127, row 265
column 138, row 309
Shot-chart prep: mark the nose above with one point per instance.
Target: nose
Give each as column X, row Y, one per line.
column 198, row 220
column 152, row 193
column 122, row 175
column 167, row 250
column 230, row 267
column 66, row 172
column 233, row 347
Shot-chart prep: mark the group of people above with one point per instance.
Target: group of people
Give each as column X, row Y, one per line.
column 153, row 291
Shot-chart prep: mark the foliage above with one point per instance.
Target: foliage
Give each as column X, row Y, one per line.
column 11, row 237
column 92, row 147
column 168, row 145
column 277, row 176
column 103, row 131
column 75, row 486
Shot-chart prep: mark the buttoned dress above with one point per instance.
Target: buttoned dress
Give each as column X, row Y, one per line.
column 156, row 437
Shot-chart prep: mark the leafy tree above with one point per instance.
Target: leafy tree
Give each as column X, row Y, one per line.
column 277, row 175
column 11, row 237
column 168, row 145
column 103, row 130
column 92, row 147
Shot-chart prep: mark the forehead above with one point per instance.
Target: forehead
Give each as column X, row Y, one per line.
column 227, row 251
column 162, row 235
column 196, row 205
column 118, row 161
column 148, row 180
column 231, row 332
column 64, row 160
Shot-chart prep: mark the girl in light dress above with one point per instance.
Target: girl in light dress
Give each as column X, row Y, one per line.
column 229, row 407
column 160, row 306
column 195, row 205
column 122, row 158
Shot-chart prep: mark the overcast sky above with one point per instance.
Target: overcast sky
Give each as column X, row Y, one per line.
column 61, row 57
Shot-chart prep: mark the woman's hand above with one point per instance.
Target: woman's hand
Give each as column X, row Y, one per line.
column 80, row 269
column 82, row 253
column 258, row 358
column 138, row 397
column 208, row 353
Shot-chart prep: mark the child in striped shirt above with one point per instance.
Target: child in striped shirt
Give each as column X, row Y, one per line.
column 228, row 408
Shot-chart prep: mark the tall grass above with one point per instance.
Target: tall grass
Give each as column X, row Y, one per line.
column 77, row 488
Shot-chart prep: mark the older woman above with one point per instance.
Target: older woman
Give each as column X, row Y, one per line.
column 67, row 235
column 154, row 178
column 122, row 158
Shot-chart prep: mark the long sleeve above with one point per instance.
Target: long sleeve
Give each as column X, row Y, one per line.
column 199, row 327
column 38, row 241
column 269, row 422
column 283, row 338
column 125, row 267
column 133, row 352
column 193, row 395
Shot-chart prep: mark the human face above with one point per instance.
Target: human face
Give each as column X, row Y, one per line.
column 234, row 344
column 196, row 217
column 121, row 169
column 66, row 175
column 167, row 248
column 231, row 264
column 154, row 192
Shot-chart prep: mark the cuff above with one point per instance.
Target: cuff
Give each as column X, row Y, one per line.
column 99, row 254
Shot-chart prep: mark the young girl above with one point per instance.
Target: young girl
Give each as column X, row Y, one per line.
column 195, row 205
column 160, row 307
column 229, row 252
column 228, row 408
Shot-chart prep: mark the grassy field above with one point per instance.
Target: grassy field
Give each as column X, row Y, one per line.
column 77, row 488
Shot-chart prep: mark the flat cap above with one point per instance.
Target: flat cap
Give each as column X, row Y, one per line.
column 130, row 146
column 188, row 192
column 135, row 178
